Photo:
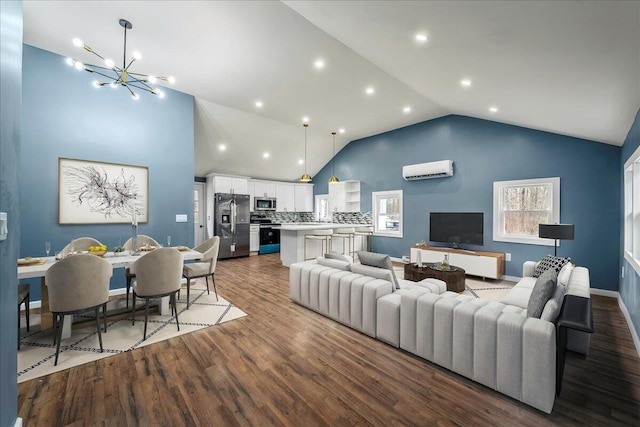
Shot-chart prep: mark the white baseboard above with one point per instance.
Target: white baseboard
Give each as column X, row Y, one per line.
column 511, row 278
column 605, row 293
column 632, row 329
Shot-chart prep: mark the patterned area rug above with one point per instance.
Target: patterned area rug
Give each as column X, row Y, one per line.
column 37, row 352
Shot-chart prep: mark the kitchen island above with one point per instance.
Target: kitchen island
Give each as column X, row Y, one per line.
column 292, row 240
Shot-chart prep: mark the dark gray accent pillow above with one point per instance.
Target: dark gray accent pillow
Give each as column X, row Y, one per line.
column 541, row 293
column 336, row 255
column 378, row 260
column 548, row 262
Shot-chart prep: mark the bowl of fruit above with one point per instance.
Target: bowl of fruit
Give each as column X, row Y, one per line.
column 98, row 250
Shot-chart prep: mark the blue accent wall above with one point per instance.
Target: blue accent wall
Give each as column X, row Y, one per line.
column 630, row 284
column 11, row 90
column 483, row 152
column 65, row 116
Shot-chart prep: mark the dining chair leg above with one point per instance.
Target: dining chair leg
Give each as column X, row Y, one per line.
column 55, row 328
column 128, row 288
column 19, row 327
column 213, row 279
column 188, row 290
column 176, row 309
column 104, row 316
column 146, row 317
column 206, row 279
column 60, row 323
column 133, row 309
column 98, row 327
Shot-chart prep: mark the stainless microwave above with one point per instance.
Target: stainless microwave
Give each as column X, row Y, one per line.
column 265, row 203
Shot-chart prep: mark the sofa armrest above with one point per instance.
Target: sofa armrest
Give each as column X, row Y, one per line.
column 528, row 268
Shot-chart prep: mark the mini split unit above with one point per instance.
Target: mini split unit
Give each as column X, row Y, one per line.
column 438, row 169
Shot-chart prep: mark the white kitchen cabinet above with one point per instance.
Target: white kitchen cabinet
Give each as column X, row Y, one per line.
column 290, row 197
column 264, row 189
column 254, row 238
column 251, row 192
column 281, row 194
column 229, row 184
column 303, row 197
column 344, row 196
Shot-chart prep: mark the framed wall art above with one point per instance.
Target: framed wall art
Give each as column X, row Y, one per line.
column 91, row 192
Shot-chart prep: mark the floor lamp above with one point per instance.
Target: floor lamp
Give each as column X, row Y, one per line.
column 556, row 232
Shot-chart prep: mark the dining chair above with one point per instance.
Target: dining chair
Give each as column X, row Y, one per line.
column 205, row 266
column 141, row 240
column 77, row 284
column 79, row 244
column 23, row 298
column 158, row 274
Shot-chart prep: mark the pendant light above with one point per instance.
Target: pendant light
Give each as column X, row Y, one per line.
column 305, row 177
column 334, row 178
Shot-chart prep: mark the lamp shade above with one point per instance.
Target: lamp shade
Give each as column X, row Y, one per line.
column 556, row 231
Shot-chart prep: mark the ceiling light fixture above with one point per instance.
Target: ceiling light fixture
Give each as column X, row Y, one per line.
column 305, row 120
column 407, row 109
column 319, row 63
column 121, row 76
column 259, row 104
column 222, row 147
column 301, row 162
column 305, row 176
column 341, row 130
column 333, row 161
column 493, row 109
column 370, row 90
column 265, row 155
column 465, row 82
column 421, row 37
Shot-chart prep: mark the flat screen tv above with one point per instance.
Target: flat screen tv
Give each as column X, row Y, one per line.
column 456, row 228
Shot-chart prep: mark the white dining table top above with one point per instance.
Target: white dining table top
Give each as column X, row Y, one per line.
column 121, row 261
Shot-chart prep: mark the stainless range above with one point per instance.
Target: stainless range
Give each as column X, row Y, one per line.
column 269, row 236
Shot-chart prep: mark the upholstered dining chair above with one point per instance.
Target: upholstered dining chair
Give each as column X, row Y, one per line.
column 141, row 240
column 80, row 244
column 158, row 274
column 205, row 266
column 76, row 284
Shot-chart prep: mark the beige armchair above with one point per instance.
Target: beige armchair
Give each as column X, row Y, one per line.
column 157, row 275
column 76, row 284
column 79, row 244
column 141, row 240
column 205, row 267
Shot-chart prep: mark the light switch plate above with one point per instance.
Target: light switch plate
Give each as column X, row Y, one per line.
column 181, row 218
column 4, row 230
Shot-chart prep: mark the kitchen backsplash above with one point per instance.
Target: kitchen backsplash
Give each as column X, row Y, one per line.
column 338, row 217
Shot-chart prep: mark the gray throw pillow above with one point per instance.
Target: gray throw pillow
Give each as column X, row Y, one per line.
column 543, row 290
column 553, row 306
column 336, row 255
column 378, row 260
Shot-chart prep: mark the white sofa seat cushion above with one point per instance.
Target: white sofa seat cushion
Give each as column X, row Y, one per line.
column 518, row 296
column 434, row 285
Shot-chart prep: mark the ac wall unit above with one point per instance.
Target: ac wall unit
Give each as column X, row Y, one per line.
column 437, row 169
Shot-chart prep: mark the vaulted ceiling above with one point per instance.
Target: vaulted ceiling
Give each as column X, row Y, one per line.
column 567, row 67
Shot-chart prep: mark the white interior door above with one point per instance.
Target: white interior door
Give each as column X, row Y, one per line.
column 198, row 213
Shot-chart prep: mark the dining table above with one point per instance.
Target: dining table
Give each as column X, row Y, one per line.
column 37, row 267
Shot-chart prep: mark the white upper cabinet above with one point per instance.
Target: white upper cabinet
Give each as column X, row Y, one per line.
column 303, row 197
column 264, row 189
column 344, row 196
column 229, row 184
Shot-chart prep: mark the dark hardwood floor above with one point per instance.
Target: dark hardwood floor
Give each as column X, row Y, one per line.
column 286, row 365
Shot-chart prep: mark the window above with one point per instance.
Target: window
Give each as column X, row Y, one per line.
column 632, row 210
column 519, row 206
column 387, row 213
column 323, row 213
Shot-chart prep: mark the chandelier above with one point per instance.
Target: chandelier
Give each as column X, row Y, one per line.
column 334, row 178
column 305, row 177
column 120, row 76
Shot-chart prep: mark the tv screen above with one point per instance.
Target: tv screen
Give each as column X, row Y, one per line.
column 457, row 228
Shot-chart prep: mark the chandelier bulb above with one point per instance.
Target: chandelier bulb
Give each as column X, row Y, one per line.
column 77, row 42
column 135, row 96
column 69, row 61
column 137, row 55
column 79, row 65
column 171, row 79
column 109, row 63
column 96, row 84
column 161, row 94
column 152, row 79
column 114, row 85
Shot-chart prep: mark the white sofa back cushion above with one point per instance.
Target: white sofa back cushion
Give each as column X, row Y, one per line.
column 367, row 270
column 333, row 263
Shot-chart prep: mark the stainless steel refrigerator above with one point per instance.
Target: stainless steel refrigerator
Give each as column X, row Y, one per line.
column 232, row 224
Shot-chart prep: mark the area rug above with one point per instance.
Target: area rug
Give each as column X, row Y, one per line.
column 37, row 352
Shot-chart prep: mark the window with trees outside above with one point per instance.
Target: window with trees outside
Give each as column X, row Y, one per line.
column 322, row 208
column 632, row 210
column 387, row 213
column 519, row 206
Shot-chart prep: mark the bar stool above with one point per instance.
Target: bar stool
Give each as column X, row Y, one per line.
column 365, row 233
column 323, row 235
column 346, row 234
column 23, row 297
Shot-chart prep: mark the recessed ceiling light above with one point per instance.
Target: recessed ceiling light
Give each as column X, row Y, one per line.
column 319, row 63
column 407, row 109
column 300, row 162
column 370, row 90
column 421, row 37
column 259, row 104
column 493, row 109
column 265, row 155
column 465, row 82
column 305, row 119
column 222, row 147
column 341, row 130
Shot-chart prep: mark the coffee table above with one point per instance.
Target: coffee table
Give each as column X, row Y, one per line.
column 453, row 277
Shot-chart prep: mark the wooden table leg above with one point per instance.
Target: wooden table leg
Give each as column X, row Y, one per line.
column 46, row 318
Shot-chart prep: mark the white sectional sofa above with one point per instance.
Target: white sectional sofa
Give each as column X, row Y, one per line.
column 493, row 343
